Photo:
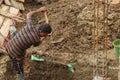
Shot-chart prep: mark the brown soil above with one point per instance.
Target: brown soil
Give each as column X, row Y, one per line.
column 68, row 20
column 71, row 20
column 49, row 71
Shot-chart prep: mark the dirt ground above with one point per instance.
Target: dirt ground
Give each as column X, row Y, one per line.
column 72, row 22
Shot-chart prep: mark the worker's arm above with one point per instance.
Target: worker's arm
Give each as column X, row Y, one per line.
column 42, row 9
column 30, row 14
column 37, row 44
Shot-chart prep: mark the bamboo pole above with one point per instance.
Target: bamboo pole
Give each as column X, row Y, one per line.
column 19, row 19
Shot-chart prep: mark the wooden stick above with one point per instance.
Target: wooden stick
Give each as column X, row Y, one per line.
column 46, row 17
column 40, row 21
column 19, row 19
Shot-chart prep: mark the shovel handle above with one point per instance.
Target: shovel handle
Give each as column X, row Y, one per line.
column 46, row 17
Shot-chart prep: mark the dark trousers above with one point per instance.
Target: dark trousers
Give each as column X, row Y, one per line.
column 18, row 67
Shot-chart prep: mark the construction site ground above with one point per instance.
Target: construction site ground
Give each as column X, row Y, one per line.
column 72, row 23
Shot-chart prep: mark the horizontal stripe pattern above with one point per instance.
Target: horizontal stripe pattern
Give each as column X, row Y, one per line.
column 26, row 37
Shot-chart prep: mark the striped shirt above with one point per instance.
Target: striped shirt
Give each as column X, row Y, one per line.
column 26, row 37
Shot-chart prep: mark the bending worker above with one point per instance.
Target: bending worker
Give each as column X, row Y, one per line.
column 25, row 38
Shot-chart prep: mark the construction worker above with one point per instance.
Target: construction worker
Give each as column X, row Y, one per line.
column 25, row 38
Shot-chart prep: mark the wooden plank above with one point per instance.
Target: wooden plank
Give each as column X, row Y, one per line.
column 5, row 28
column 14, row 11
column 1, row 20
column 4, row 8
column 11, row 16
column 15, row 4
column 7, row 2
column 6, row 25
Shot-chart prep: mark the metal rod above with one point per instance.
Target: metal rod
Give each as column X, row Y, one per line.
column 104, row 15
column 97, row 26
column 94, row 39
column 100, row 68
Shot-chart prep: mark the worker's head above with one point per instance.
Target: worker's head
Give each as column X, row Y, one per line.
column 45, row 30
